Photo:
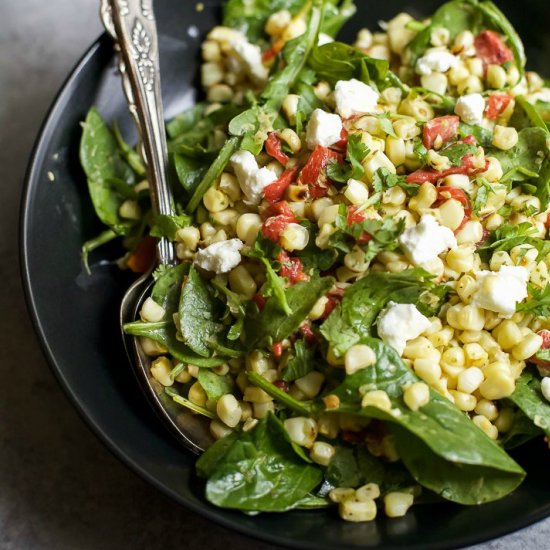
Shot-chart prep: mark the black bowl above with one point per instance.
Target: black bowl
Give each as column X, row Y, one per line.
column 75, row 314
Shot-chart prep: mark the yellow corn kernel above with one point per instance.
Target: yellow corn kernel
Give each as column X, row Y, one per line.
column 505, row 137
column 461, row 258
column 485, row 425
column 151, row 311
column 507, row 334
column 487, row 408
column 498, row 384
column 252, row 394
column 475, row 355
column 466, row 317
column 322, row 453
column 463, row 401
column 378, row 399
column 241, row 282
column 416, row 108
column 443, row 337
column 301, row 430
column 367, row 492
column 228, row 410
column 197, row 395
column 416, row 395
column 219, row 430
column 469, row 380
column 261, row 410
column 471, row 233
column 341, row 493
column 426, row 196
column 310, row 384
column 359, row 357
column 395, row 150
column 435, row 82
column 419, row 347
column 160, row 370
column 357, row 511
column 529, row 345
column 505, row 420
column 396, row 504
column 406, row 128
column 496, row 77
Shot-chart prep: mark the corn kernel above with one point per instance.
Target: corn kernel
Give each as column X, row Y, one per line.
column 378, row 399
column 301, row 430
column 359, row 357
column 396, row 504
column 356, row 511
column 485, row 425
column 322, row 453
column 416, row 395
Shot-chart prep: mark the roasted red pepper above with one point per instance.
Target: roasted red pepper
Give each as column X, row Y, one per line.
column 444, row 127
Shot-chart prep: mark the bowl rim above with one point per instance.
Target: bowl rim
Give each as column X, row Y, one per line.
column 103, row 42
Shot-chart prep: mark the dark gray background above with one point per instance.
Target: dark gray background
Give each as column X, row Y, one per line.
column 59, row 487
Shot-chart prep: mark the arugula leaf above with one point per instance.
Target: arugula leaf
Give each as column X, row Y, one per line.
column 483, row 136
column 301, row 363
column 529, row 399
column 200, row 313
column 456, row 151
column 103, row 162
column 262, row 328
column 526, row 115
column 90, row 245
column 538, row 302
column 190, row 171
column 167, row 226
column 353, row 319
column 167, row 287
column 336, row 13
column 257, row 471
column 442, row 449
column 307, row 103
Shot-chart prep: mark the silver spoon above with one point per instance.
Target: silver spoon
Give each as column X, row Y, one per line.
column 131, row 23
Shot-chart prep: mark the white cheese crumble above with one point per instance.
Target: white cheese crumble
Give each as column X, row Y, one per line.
column 470, row 108
column 354, row 97
column 439, row 61
column 252, row 179
column 324, row 39
column 545, row 387
column 500, row 291
column 426, row 241
column 323, row 129
column 398, row 323
column 250, row 56
column 220, row 257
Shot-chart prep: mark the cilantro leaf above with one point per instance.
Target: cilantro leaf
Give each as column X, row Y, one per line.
column 383, row 179
column 508, row 236
column 456, row 151
column 539, row 302
column 386, row 125
column 356, row 152
column 482, row 196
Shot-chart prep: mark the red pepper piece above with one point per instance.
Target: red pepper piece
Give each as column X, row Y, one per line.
column 274, row 191
column 312, row 173
column 491, row 49
column 497, row 105
column 444, row 127
column 273, row 148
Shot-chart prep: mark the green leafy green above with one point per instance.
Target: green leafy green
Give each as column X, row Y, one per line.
column 190, row 171
column 529, row 399
column 215, row 385
column 538, row 302
column 353, row 319
column 274, row 286
column 356, row 152
column 483, row 136
column 508, row 236
column 262, row 328
column 133, row 158
column 526, row 115
column 103, row 162
column 199, row 314
column 482, row 196
column 442, row 449
column 167, row 287
column 383, row 179
column 257, row 471
column 91, row 244
column 167, row 226
column 301, row 363
column 523, row 161
column 456, row 151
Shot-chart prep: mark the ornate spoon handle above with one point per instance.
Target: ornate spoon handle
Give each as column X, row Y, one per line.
column 132, row 25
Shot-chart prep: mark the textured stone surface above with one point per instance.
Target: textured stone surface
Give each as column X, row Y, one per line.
column 60, row 488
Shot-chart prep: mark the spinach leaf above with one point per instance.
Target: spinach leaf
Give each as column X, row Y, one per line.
column 257, row 471
column 200, row 313
column 353, row 319
column 338, row 61
column 271, row 324
column 167, row 288
column 529, row 399
column 235, row 310
column 483, row 136
column 103, row 161
column 164, row 332
column 167, row 226
column 215, row 385
column 521, row 431
column 442, row 449
column 250, row 16
column 213, row 173
column 190, row 171
column 523, row 161
column 526, row 116
column 301, row 363
column 355, row 466
column 254, row 123
column 186, row 121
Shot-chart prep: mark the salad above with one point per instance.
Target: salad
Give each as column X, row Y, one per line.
column 360, row 311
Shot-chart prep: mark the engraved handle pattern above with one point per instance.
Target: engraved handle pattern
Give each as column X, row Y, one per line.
column 132, row 25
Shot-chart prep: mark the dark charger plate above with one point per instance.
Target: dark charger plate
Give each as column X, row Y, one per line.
column 75, row 314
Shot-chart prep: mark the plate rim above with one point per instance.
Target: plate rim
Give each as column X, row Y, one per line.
column 29, row 184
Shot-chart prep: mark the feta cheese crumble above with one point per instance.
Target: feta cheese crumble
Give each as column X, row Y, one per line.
column 252, row 179
column 470, row 108
column 439, row 61
column 545, row 387
column 426, row 241
column 500, row 291
column 398, row 323
column 220, row 257
column 250, row 56
column 323, row 129
column 354, row 97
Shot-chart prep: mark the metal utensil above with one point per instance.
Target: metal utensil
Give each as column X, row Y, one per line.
column 131, row 23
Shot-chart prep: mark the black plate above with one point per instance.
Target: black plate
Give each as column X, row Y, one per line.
column 75, row 315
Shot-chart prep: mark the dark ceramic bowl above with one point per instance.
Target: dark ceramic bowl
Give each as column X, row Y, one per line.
column 75, row 314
